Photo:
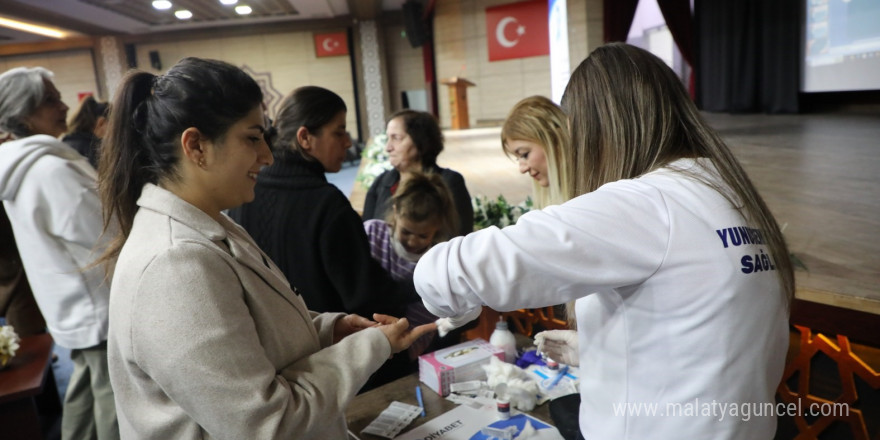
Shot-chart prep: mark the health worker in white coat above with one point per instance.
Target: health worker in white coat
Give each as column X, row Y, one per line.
column 680, row 273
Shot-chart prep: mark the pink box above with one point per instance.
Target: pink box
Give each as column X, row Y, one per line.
column 458, row 363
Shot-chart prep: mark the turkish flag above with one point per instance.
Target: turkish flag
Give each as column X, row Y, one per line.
column 517, row 30
column 331, row 45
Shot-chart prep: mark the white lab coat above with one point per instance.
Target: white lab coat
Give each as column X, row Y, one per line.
column 671, row 314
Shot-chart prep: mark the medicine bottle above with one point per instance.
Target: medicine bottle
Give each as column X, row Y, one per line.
column 503, row 339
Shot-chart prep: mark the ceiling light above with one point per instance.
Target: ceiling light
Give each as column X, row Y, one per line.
column 229, row 2
column 243, row 9
column 32, row 28
column 162, row 5
column 183, row 14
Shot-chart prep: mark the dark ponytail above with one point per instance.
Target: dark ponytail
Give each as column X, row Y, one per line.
column 311, row 107
column 86, row 117
column 147, row 118
column 122, row 167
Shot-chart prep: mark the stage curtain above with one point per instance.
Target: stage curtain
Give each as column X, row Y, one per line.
column 747, row 55
column 617, row 18
column 680, row 22
column 677, row 14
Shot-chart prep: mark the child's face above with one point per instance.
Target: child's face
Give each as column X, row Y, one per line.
column 416, row 237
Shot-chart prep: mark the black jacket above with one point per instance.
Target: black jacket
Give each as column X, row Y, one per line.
column 86, row 144
column 376, row 204
column 309, row 229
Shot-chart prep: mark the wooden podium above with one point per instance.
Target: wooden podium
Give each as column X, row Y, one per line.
column 458, row 104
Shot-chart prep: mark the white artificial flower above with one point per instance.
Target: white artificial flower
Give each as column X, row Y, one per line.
column 376, row 161
column 8, row 341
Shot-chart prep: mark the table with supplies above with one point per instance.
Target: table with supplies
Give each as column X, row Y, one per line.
column 366, row 407
column 410, row 408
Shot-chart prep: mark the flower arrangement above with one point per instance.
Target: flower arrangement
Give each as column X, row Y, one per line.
column 375, row 161
column 497, row 212
column 8, row 344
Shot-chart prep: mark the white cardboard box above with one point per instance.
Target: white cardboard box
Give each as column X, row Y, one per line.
column 458, row 363
column 465, row 422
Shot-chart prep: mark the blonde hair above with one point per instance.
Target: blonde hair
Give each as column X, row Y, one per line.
column 425, row 197
column 630, row 115
column 538, row 119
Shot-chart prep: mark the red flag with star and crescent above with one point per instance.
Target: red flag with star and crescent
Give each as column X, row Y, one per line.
column 517, row 30
column 331, row 45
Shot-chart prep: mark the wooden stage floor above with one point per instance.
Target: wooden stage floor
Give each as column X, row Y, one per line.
column 819, row 173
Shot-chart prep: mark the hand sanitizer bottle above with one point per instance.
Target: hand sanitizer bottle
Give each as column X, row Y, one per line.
column 503, row 339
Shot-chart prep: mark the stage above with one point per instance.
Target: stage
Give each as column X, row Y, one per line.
column 819, row 173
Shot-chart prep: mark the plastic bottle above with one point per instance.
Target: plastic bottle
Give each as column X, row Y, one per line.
column 503, row 406
column 503, row 339
column 502, row 400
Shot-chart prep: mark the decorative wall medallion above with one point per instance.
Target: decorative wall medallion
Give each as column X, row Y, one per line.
column 271, row 96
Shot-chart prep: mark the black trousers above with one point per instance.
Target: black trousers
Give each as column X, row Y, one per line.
column 564, row 412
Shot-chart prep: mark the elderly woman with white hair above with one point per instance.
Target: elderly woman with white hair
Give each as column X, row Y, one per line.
column 50, row 195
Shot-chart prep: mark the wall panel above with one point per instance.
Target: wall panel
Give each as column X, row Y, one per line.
column 288, row 57
column 74, row 72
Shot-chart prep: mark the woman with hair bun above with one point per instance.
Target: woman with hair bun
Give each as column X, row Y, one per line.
column 307, row 225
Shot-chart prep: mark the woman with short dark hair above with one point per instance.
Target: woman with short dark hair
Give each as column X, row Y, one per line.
column 414, row 142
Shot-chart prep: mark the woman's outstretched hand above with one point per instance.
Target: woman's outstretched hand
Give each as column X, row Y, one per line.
column 398, row 332
column 349, row 324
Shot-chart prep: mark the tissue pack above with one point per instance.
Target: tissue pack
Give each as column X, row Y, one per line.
column 458, row 363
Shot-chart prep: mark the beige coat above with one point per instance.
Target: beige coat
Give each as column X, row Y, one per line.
column 207, row 340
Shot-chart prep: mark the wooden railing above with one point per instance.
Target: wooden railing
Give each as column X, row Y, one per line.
column 829, row 372
column 824, row 367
